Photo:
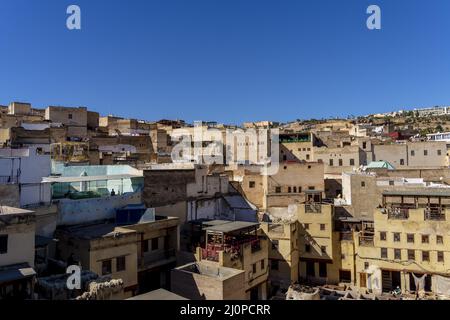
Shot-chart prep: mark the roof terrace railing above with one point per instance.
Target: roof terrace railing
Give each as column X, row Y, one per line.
column 313, row 208
column 398, row 213
column 434, row 214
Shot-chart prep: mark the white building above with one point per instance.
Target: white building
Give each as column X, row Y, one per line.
column 444, row 136
column 26, row 167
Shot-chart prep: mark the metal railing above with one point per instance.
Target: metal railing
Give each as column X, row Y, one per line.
column 398, row 213
column 435, row 214
column 366, row 240
column 313, row 208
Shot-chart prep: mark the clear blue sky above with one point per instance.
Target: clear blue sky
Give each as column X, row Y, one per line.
column 226, row 60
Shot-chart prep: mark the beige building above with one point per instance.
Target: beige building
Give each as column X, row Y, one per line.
column 283, row 253
column 239, row 245
column 412, row 154
column 205, row 280
column 409, row 241
column 104, row 249
column 287, row 186
column 75, row 119
column 17, row 241
column 317, row 244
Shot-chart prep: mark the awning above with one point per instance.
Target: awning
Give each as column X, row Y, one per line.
column 16, row 272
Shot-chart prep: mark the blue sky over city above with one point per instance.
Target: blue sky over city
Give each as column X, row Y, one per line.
column 226, row 60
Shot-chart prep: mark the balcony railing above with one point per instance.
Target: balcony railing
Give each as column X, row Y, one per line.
column 313, row 208
column 434, row 214
column 211, row 255
column 366, row 240
column 398, row 213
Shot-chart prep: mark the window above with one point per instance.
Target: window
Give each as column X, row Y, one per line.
column 364, row 145
column 366, row 265
column 439, row 240
column 340, row 162
column 275, row 244
column 323, row 249
column 345, row 276
column 391, row 182
column 439, row 152
column 352, row 162
column 410, row 238
column 120, row 263
column 440, row 256
column 277, row 189
column 402, row 162
column 383, row 253
column 322, row 269
column 251, row 184
column 155, row 244
column 3, row 244
column 425, row 152
column 70, row 116
column 307, row 248
column 322, row 227
column 274, row 264
column 383, row 236
column 306, row 226
column 413, row 153
column 295, row 189
column 396, row 236
column 145, row 246
column 106, row 267
column 425, row 256
column 397, row 254
column 425, row 238
column 262, row 265
column 299, row 189
column 363, row 184
column 411, row 255
column 307, row 157
column 254, row 268
column 331, row 162
column 311, row 188
column 289, row 189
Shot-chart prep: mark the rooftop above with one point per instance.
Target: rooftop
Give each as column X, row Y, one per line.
column 159, row 294
column 5, row 210
column 423, row 192
column 211, row 270
column 232, row 226
column 97, row 230
column 16, row 272
column 59, row 179
column 380, row 165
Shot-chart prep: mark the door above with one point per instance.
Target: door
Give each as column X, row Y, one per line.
column 363, row 280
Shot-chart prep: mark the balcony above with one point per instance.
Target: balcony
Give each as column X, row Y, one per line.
column 366, row 240
column 157, row 257
column 313, row 208
column 434, row 214
column 398, row 213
